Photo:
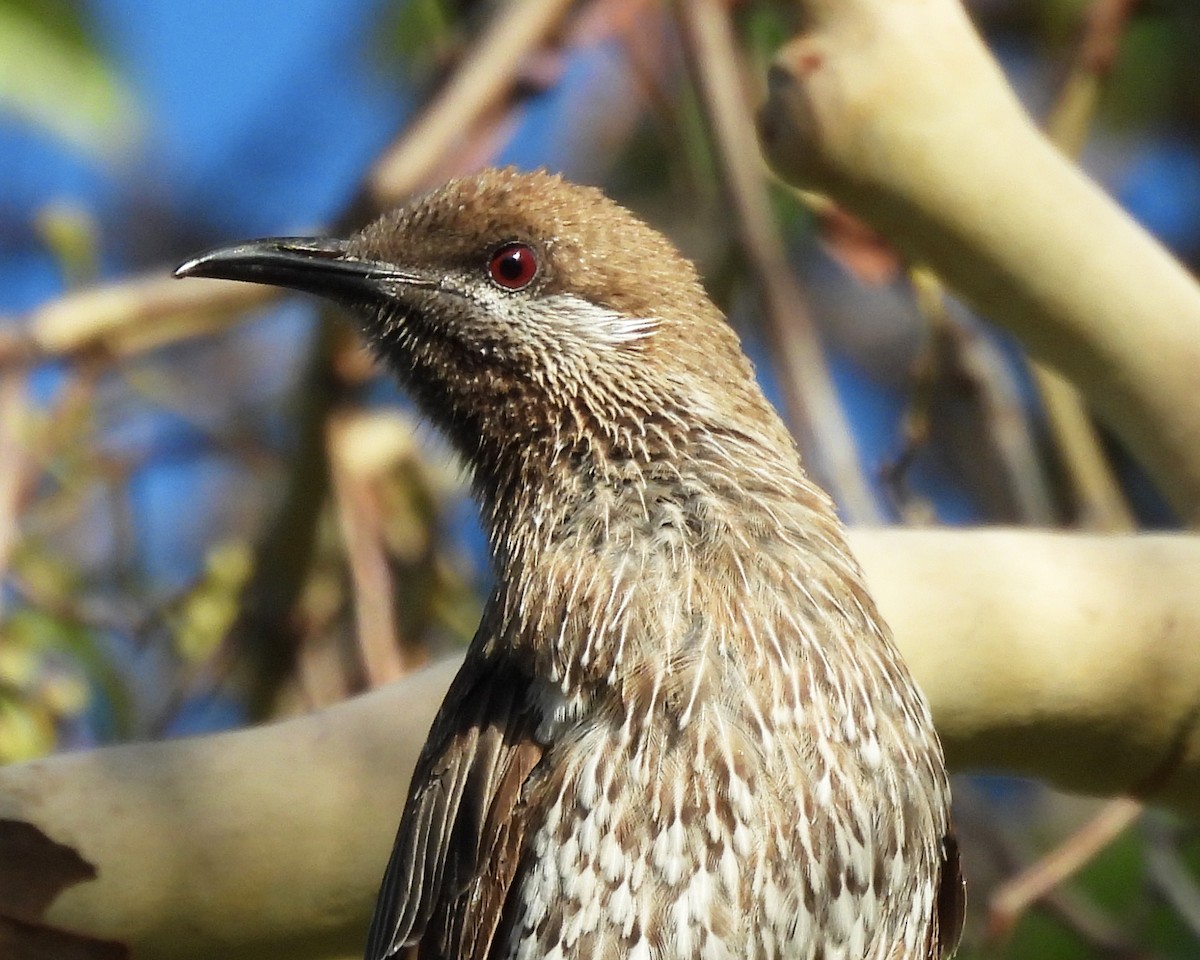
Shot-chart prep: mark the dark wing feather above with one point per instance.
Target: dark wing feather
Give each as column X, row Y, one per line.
column 469, row 916
column 951, row 905
column 461, row 813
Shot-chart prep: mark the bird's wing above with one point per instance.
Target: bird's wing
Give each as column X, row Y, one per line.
column 951, row 904
column 463, row 821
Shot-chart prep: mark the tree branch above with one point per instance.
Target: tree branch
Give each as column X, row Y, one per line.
column 265, row 844
column 896, row 109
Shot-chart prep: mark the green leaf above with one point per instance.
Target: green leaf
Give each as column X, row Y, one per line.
column 46, row 633
column 51, row 76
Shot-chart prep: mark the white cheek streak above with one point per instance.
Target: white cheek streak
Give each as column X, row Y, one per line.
column 566, row 319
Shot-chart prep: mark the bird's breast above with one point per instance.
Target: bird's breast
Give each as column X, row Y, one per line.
column 705, row 844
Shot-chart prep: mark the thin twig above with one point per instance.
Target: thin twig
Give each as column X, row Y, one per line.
column 14, row 457
column 111, row 314
column 950, row 345
column 1104, row 27
column 916, row 425
column 810, row 397
column 374, row 593
column 1167, row 871
column 324, row 673
column 643, row 52
column 1011, row 899
column 1099, row 500
column 481, row 83
column 990, row 837
column 1100, row 504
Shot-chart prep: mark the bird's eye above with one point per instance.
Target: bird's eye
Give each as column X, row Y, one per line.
column 513, row 266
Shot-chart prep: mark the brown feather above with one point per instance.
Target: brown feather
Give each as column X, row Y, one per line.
column 459, row 819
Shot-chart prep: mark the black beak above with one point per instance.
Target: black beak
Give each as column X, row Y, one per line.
column 310, row 264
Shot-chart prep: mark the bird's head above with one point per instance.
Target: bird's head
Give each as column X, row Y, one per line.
column 530, row 317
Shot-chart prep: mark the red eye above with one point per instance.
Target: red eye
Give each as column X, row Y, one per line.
column 513, row 266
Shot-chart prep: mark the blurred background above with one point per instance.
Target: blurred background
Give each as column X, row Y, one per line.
column 214, row 511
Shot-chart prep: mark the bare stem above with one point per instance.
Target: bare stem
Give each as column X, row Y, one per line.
column 1098, row 497
column 1011, row 899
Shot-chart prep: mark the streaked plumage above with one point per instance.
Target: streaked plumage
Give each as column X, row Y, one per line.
column 682, row 731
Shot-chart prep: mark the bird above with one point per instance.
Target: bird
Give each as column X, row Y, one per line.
column 682, row 730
